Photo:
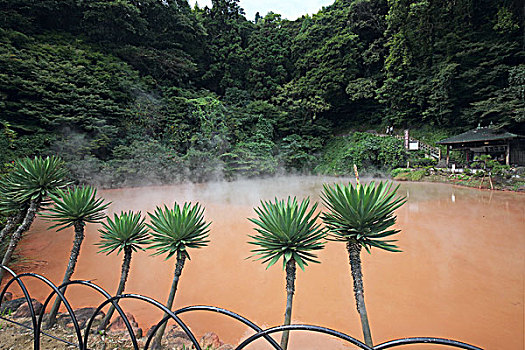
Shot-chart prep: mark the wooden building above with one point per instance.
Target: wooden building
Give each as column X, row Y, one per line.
column 506, row 147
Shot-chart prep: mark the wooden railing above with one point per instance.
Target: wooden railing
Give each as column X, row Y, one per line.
column 431, row 151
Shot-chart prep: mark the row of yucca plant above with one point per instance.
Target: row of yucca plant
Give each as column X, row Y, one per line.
column 360, row 216
column 40, row 183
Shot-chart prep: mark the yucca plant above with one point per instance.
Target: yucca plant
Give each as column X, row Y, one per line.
column 126, row 233
column 362, row 217
column 74, row 207
column 28, row 184
column 287, row 230
column 173, row 232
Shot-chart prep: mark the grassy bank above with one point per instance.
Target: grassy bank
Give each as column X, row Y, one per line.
column 510, row 181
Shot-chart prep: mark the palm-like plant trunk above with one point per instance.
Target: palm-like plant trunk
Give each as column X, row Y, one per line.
column 354, row 254
column 157, row 343
column 17, row 235
column 290, row 289
column 12, row 222
column 122, row 284
column 73, row 257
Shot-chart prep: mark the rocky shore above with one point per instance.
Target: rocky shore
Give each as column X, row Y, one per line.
column 17, row 337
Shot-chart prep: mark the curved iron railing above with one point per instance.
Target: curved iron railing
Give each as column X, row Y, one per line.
column 83, row 340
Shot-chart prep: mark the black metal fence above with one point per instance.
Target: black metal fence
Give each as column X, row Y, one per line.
column 83, row 339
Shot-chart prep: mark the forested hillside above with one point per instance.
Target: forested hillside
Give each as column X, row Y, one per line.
column 154, row 91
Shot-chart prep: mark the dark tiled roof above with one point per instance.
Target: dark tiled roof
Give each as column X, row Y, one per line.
column 479, row 134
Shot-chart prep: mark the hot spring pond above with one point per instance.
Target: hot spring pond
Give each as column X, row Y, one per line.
column 460, row 275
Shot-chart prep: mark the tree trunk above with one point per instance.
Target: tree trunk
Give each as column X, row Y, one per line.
column 9, row 226
column 157, row 343
column 290, row 289
column 122, row 284
column 354, row 251
column 75, row 251
column 17, row 235
column 12, row 222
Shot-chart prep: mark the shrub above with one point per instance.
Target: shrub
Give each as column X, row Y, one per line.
column 365, row 150
column 423, row 162
column 395, row 172
column 417, row 175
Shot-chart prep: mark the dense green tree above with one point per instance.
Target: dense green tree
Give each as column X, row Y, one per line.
column 269, row 56
column 227, row 38
column 148, row 80
column 452, row 63
column 63, row 87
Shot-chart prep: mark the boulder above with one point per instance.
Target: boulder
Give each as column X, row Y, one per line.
column 211, row 340
column 11, row 306
column 226, row 347
column 118, row 327
column 7, row 296
column 82, row 315
column 175, row 331
column 176, row 338
column 23, row 310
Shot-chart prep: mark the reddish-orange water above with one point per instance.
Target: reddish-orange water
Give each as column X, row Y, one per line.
column 460, row 275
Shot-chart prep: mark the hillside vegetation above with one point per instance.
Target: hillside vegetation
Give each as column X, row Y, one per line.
column 154, row 91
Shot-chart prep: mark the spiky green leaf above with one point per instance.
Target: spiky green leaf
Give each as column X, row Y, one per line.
column 288, row 230
column 362, row 214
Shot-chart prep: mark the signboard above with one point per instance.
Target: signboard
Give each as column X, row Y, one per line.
column 413, row 145
column 407, row 139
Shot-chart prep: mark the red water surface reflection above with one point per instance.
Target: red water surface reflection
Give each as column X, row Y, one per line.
column 460, row 275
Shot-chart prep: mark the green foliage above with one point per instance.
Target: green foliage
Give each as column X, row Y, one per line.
column 398, row 171
column 422, row 162
column 488, row 164
column 34, row 179
column 367, row 151
column 252, row 158
column 362, row 214
column 296, row 151
column 120, row 88
column 417, row 175
column 409, row 174
column 57, row 85
column 126, row 231
column 228, row 33
column 142, row 162
column 269, row 59
column 505, row 21
column 447, row 66
column 76, row 205
column 175, row 230
column 287, row 230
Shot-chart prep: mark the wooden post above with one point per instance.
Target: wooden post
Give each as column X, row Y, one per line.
column 448, row 154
